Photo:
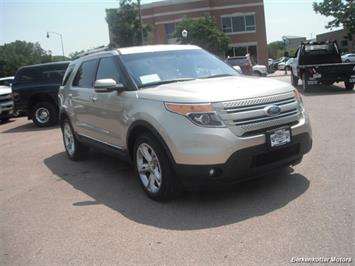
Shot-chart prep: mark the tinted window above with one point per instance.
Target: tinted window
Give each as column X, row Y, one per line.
column 42, row 74
column 86, row 74
column 107, row 69
column 68, row 74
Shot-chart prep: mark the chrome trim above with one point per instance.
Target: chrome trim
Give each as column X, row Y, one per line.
column 103, row 142
column 243, row 116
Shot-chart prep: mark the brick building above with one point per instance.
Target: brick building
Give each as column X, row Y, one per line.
column 242, row 20
column 339, row 36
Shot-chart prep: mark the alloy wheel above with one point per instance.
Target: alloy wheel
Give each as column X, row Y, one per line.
column 149, row 168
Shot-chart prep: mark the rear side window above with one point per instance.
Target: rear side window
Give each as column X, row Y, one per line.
column 107, row 69
column 86, row 74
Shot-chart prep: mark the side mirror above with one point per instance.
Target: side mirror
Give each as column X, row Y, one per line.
column 108, row 85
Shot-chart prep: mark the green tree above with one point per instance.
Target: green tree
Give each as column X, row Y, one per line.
column 276, row 49
column 75, row 55
column 204, row 33
column 343, row 12
column 20, row 53
column 124, row 25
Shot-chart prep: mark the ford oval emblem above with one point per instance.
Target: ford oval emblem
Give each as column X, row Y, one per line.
column 272, row 110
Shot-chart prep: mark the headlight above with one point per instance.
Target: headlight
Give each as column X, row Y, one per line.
column 299, row 100
column 200, row 114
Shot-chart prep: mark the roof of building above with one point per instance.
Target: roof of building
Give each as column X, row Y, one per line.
column 167, row 3
column 293, row 37
column 156, row 48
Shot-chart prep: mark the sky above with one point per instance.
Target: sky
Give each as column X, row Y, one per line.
column 83, row 26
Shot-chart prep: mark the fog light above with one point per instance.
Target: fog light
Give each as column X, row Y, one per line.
column 212, row 172
column 215, row 172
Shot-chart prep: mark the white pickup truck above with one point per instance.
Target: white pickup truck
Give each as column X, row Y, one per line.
column 6, row 103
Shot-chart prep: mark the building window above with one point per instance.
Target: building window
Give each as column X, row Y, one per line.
column 242, row 51
column 344, row 43
column 170, row 30
column 238, row 24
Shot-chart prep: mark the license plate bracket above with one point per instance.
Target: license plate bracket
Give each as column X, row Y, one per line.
column 279, row 138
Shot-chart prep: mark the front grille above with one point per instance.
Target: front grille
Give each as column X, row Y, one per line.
column 5, row 98
column 246, row 116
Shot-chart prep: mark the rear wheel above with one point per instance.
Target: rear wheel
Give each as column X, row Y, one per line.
column 44, row 114
column 74, row 149
column 153, row 168
column 294, row 79
column 349, row 86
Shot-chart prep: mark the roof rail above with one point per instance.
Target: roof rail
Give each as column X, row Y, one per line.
column 93, row 51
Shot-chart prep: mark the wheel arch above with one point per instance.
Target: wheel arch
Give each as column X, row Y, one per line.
column 140, row 127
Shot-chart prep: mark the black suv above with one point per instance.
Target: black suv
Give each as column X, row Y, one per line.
column 35, row 89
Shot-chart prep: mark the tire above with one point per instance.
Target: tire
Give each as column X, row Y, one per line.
column 294, row 80
column 44, row 114
column 349, row 86
column 149, row 156
column 257, row 73
column 305, row 85
column 288, row 68
column 347, row 61
column 75, row 150
column 4, row 120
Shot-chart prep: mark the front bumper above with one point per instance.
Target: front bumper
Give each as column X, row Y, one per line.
column 6, row 109
column 245, row 163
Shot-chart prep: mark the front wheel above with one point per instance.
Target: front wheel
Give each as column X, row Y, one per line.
column 74, row 149
column 44, row 114
column 349, row 86
column 153, row 168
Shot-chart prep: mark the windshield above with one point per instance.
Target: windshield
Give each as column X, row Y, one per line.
column 173, row 66
column 319, row 49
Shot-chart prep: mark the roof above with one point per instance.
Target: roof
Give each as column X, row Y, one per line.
column 47, row 64
column 156, row 48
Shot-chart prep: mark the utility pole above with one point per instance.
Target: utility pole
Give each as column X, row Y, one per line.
column 140, row 22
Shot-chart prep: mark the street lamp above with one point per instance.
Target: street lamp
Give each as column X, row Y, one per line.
column 61, row 40
column 184, row 33
column 184, row 36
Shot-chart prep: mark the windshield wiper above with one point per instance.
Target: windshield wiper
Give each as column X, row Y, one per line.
column 162, row 82
column 218, row 76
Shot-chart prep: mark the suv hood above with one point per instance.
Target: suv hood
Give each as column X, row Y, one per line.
column 215, row 90
column 5, row 90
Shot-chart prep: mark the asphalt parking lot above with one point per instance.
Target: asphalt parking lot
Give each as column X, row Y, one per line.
column 55, row 211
